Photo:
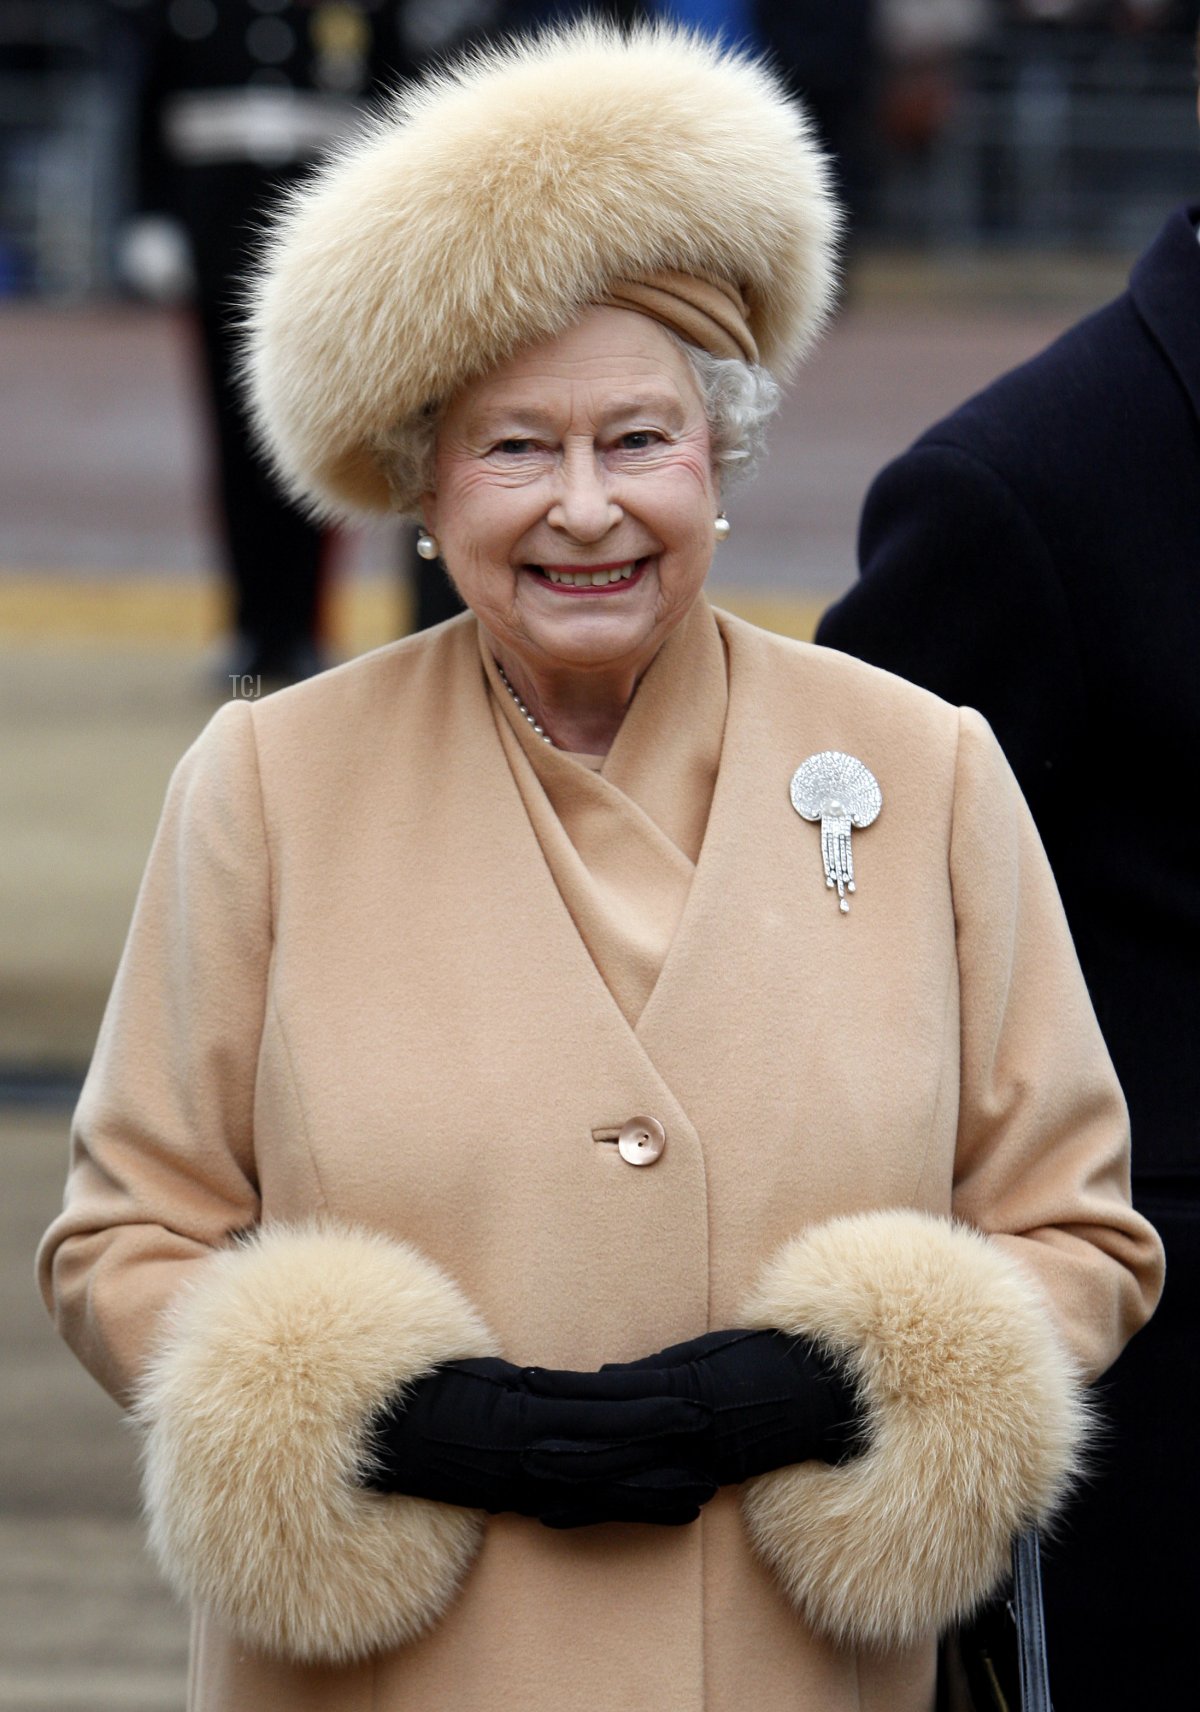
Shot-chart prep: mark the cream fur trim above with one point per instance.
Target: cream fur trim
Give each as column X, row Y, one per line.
column 974, row 1422
column 492, row 202
column 254, row 1414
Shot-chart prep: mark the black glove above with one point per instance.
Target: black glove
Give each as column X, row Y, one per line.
column 771, row 1399
column 475, row 1433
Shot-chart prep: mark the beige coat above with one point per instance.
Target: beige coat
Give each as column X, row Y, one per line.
column 352, row 995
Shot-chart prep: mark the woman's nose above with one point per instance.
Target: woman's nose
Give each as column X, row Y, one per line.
column 583, row 506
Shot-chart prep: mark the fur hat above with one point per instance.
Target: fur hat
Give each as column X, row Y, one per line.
column 488, row 205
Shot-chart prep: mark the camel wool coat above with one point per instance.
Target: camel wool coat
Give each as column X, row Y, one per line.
column 354, row 1109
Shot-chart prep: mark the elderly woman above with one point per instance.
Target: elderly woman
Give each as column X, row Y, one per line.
column 599, row 1179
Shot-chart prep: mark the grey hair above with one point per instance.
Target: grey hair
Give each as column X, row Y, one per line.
column 407, row 453
column 739, row 400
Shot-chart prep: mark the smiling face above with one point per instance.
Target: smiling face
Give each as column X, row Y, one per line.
column 575, row 499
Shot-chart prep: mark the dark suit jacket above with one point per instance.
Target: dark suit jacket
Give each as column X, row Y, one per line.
column 1037, row 555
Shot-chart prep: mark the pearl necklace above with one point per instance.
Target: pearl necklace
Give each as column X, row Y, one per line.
column 522, row 709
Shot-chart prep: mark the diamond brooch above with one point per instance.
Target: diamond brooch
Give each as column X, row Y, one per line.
column 841, row 793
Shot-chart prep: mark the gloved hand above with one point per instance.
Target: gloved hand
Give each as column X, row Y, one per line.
column 476, row 1433
column 771, row 1399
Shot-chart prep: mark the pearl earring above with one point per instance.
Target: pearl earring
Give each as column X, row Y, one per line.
column 721, row 527
column 427, row 547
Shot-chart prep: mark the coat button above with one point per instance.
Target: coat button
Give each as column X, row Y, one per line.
column 641, row 1141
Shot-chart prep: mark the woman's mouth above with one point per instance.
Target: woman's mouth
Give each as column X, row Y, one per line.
column 590, row 579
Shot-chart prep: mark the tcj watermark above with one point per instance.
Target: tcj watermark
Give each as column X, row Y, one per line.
column 245, row 684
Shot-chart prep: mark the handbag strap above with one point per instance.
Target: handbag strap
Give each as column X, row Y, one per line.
column 1031, row 1622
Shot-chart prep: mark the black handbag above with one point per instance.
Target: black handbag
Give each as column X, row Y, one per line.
column 997, row 1661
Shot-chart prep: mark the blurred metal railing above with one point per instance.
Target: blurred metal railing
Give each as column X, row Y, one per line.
column 1067, row 137
column 61, row 137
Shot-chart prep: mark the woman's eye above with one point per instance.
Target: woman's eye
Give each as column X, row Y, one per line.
column 637, row 440
column 514, row 448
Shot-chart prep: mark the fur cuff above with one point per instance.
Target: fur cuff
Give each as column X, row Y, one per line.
column 973, row 1419
column 254, row 1413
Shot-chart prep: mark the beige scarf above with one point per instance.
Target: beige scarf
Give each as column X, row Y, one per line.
column 621, row 833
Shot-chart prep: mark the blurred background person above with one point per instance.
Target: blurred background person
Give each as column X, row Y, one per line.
column 235, row 103
column 922, row 43
column 1034, row 555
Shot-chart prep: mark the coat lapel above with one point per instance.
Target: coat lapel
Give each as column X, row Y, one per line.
column 1165, row 286
column 508, row 886
column 621, row 843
